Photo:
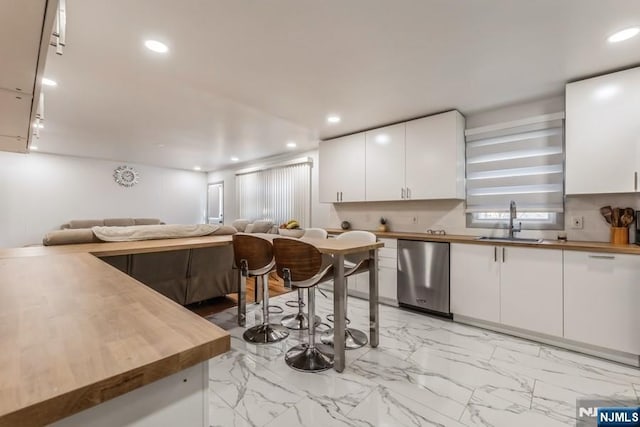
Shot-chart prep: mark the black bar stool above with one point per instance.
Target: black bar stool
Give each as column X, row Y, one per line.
column 301, row 265
column 254, row 257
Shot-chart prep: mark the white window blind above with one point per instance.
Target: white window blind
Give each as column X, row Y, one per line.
column 524, row 163
column 278, row 193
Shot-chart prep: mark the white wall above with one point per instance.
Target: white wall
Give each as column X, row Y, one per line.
column 319, row 211
column 39, row 192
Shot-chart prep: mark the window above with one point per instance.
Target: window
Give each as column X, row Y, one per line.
column 521, row 161
column 278, row 193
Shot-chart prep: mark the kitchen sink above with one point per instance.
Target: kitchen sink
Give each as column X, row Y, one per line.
column 509, row 239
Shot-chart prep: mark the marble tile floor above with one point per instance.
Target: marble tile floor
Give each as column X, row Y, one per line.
column 426, row 371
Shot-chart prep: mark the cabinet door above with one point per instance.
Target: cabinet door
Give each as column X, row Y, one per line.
column 603, row 133
column 342, row 169
column 435, row 157
column 385, row 163
column 362, row 283
column 601, row 294
column 531, row 289
column 475, row 281
column 388, row 270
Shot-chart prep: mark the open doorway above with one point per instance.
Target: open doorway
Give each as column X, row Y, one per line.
column 215, row 203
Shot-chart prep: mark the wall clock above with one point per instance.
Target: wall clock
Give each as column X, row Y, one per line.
column 126, row 176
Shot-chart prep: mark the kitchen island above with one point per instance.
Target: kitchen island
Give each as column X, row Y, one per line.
column 76, row 332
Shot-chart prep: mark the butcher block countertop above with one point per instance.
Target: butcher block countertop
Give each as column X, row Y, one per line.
column 120, row 248
column 75, row 332
column 545, row 244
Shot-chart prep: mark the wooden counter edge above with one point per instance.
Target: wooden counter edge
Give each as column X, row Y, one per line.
column 67, row 404
column 574, row 245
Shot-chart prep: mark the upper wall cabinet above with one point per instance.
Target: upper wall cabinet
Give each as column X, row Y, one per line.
column 28, row 25
column 342, row 169
column 435, row 157
column 420, row 159
column 386, row 163
column 603, row 134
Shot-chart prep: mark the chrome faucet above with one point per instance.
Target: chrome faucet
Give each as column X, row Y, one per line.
column 512, row 216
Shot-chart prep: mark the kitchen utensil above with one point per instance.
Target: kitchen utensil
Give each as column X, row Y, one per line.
column 631, row 212
column 606, row 213
column 626, row 220
column 615, row 217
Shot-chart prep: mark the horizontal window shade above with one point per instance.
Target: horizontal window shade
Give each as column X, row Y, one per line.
column 278, row 194
column 524, row 164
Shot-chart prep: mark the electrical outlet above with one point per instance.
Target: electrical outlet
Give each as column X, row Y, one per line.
column 414, row 220
column 577, row 222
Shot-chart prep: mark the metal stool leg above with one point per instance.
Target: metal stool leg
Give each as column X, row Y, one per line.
column 265, row 333
column 299, row 321
column 242, row 294
column 353, row 338
column 307, row 357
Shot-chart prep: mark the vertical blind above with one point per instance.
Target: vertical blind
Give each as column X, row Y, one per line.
column 278, row 193
column 524, row 163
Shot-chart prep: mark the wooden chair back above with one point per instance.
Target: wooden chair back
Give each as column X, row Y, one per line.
column 303, row 260
column 258, row 252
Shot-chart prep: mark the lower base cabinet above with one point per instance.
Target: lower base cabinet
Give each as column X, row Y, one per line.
column 515, row 286
column 531, row 289
column 602, row 300
column 387, row 274
column 475, row 281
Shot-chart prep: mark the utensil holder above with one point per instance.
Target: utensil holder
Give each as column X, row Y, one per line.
column 619, row 235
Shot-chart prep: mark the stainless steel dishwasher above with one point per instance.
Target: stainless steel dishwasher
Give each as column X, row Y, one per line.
column 423, row 276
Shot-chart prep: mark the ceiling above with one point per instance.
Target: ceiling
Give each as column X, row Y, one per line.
column 244, row 77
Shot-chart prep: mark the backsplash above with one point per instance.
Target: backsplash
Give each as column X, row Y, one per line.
column 419, row 216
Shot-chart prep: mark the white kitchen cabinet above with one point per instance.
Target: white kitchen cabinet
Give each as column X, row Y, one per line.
column 475, row 281
column 515, row 286
column 603, row 134
column 387, row 274
column 435, row 161
column 601, row 300
column 385, row 163
column 27, row 26
column 342, row 169
column 419, row 159
column 531, row 289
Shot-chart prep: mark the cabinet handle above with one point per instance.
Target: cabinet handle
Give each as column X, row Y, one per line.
column 402, row 193
column 602, row 256
column 341, row 196
column 495, row 254
column 337, row 196
column 503, row 256
column 635, row 181
column 408, row 193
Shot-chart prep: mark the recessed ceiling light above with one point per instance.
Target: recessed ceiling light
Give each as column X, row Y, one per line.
column 197, row 168
column 332, row 118
column 291, row 145
column 33, row 148
column 623, row 35
column 234, row 159
column 49, row 82
column 156, row 46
